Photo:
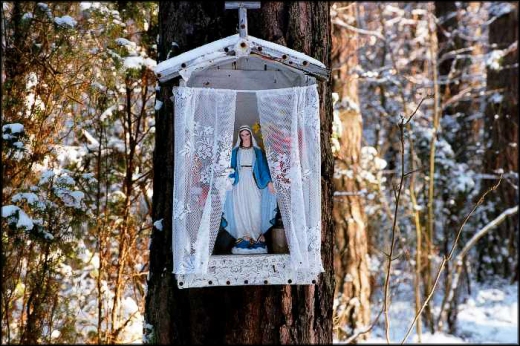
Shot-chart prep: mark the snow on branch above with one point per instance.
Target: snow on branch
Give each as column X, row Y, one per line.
column 484, row 230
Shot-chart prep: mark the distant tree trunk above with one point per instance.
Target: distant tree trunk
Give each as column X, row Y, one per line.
column 451, row 87
column 238, row 315
column 501, row 139
column 475, row 23
column 350, row 251
column 455, row 97
column 430, row 222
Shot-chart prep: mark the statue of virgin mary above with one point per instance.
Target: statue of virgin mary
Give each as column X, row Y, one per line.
column 250, row 207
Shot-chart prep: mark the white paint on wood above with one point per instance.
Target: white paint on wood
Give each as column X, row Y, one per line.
column 247, row 270
column 215, row 52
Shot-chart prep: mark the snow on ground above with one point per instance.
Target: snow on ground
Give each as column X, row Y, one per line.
column 488, row 315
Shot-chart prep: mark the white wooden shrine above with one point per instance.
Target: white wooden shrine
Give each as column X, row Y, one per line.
column 239, row 80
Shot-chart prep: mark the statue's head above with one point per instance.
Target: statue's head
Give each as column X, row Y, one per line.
column 245, row 137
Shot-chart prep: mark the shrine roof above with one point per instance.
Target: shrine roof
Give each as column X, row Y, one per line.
column 232, row 48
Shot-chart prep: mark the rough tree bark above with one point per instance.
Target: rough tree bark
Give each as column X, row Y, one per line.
column 501, row 137
column 350, row 251
column 252, row 314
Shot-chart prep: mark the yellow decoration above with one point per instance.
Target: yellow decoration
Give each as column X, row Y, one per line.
column 256, row 130
column 256, row 127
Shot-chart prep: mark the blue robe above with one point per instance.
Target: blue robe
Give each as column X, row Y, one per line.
column 268, row 205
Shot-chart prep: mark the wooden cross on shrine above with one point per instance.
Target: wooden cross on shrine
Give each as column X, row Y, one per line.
column 242, row 13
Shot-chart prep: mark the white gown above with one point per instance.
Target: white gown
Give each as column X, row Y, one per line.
column 248, row 211
column 247, row 198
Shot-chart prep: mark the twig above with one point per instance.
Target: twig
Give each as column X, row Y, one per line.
column 480, row 201
column 447, row 258
column 386, row 302
column 414, row 171
column 368, row 329
column 415, row 111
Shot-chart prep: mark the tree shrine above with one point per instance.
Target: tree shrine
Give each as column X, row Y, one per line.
column 244, row 86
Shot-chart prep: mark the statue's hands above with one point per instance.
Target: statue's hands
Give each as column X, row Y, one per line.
column 230, row 180
column 270, row 186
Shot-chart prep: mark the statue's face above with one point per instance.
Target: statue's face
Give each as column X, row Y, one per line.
column 245, row 136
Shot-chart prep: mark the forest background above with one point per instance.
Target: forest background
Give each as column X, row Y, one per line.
column 425, row 93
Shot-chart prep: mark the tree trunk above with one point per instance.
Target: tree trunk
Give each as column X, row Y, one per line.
column 450, row 72
column 501, row 138
column 252, row 314
column 350, row 251
column 456, row 99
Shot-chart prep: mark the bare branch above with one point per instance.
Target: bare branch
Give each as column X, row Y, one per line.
column 368, row 329
column 446, row 259
column 493, row 224
column 460, row 257
column 341, row 23
column 480, row 201
column 457, row 97
column 414, row 171
column 344, row 7
column 416, row 109
column 386, row 301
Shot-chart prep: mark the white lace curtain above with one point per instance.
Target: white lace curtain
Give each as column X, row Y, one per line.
column 204, row 123
column 290, row 123
column 204, row 120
